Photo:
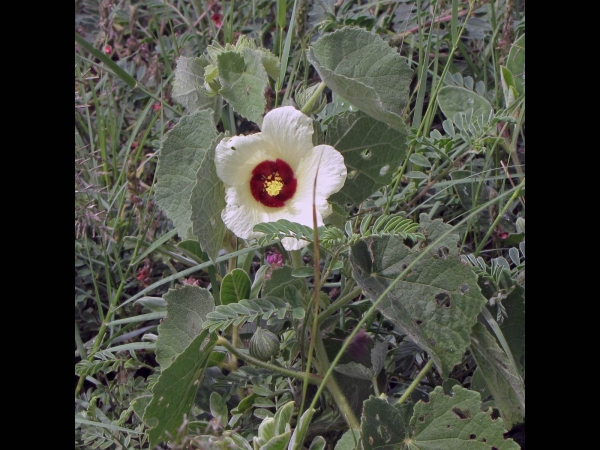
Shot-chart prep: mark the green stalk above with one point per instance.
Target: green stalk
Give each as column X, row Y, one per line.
column 419, row 257
column 415, row 382
column 332, row 386
column 335, row 306
column 265, row 365
column 314, row 97
column 499, row 216
column 107, row 318
column 430, row 105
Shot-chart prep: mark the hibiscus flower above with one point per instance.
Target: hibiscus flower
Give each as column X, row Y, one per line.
column 270, row 175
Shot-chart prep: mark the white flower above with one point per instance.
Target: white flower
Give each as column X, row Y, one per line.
column 270, row 175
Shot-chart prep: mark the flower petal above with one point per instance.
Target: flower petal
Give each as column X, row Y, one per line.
column 288, row 134
column 331, row 177
column 300, row 213
column 236, row 157
column 293, row 244
column 242, row 212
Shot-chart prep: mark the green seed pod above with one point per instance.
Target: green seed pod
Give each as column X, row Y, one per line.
column 303, row 95
column 264, row 344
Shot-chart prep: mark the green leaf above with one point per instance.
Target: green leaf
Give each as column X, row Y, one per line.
column 174, row 392
column 416, row 174
column 455, row 99
column 357, row 370
column 280, row 278
column 508, row 86
column 516, row 64
column 207, row 201
column 245, row 404
column 456, row 423
column 283, row 417
column 244, row 80
column 180, row 158
column 154, row 304
column 384, row 426
column 218, row 408
column 419, row 160
column 502, row 378
column 513, row 327
column 112, row 65
column 364, row 69
column 479, row 384
column 318, row 443
column 436, row 303
column 301, row 428
column 433, row 229
column 235, row 287
column 187, row 308
column 278, row 442
column 372, row 151
column 188, row 85
column 303, row 272
column 349, row 440
column 266, row 430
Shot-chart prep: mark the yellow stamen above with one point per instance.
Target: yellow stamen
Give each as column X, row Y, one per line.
column 274, row 184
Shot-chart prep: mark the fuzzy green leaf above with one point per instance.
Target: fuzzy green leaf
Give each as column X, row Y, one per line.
column 187, row 308
column 244, row 80
column 235, row 287
column 188, row 85
column 436, row 303
column 318, row 443
column 349, row 440
column 456, row 423
column 181, row 155
column 283, row 417
column 218, row 408
column 384, row 426
column 502, row 378
column 207, row 201
column 455, row 99
column 174, row 392
column 513, row 327
column 516, row 64
column 280, row 278
column 372, row 151
column 365, row 70
column 278, row 442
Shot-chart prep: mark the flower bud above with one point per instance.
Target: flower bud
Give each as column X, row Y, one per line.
column 303, row 95
column 264, row 344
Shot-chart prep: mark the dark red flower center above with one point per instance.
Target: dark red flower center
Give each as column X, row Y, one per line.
column 273, row 183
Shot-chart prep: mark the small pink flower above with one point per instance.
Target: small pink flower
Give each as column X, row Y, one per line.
column 275, row 259
column 502, row 234
column 217, row 19
column 107, row 49
column 156, row 107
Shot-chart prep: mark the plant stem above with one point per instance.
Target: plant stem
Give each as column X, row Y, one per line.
column 107, row 318
column 301, row 433
column 312, row 378
column 415, row 382
column 332, row 386
column 296, row 258
column 338, row 304
column 499, row 216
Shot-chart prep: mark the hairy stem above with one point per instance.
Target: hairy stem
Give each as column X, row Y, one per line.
column 332, row 386
column 312, row 378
